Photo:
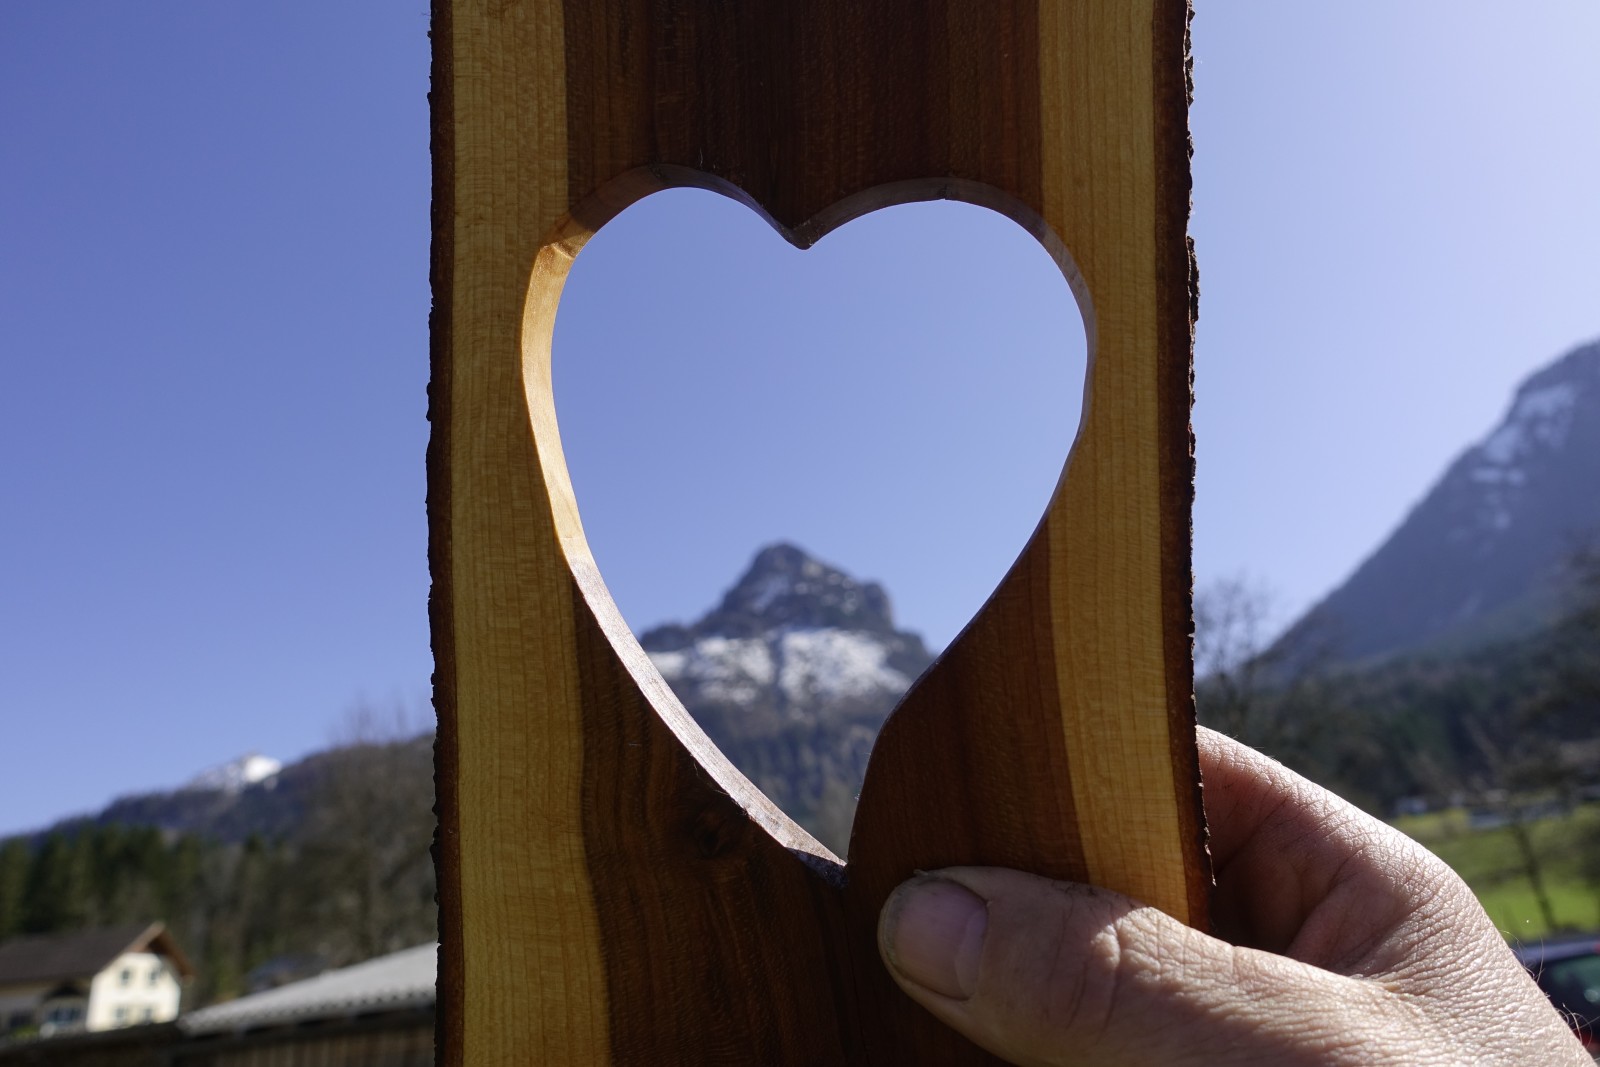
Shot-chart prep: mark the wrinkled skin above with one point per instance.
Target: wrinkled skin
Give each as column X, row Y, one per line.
column 1339, row 941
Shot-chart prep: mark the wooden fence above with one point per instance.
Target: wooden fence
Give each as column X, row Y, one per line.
column 389, row 1039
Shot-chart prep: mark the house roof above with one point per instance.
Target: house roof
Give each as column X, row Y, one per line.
column 56, row 957
column 394, row 982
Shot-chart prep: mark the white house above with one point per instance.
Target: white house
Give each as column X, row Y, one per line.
column 91, row 980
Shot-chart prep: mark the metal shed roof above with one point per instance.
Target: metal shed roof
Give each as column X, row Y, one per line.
column 404, row 979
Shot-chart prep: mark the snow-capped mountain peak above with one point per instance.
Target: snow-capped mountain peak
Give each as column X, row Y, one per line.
column 792, row 673
column 1483, row 555
column 1538, row 426
column 235, row 775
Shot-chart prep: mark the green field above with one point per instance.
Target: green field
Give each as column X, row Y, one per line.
column 1489, row 862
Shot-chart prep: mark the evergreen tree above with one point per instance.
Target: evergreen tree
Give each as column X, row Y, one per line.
column 15, row 859
column 57, row 896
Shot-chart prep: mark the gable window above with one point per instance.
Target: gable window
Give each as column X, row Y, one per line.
column 126, row 977
column 155, row 974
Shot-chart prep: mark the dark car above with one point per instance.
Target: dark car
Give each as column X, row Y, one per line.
column 1569, row 973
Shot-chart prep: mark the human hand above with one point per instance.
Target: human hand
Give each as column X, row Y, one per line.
column 1339, row 941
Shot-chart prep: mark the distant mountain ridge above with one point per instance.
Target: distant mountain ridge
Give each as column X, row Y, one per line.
column 254, row 795
column 1483, row 556
column 791, row 674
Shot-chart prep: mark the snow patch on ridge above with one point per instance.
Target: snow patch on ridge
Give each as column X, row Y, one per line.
column 808, row 665
column 834, row 664
column 235, row 775
column 1539, row 421
column 1538, row 417
column 730, row 669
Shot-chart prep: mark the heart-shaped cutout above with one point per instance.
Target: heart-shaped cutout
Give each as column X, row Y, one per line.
column 898, row 400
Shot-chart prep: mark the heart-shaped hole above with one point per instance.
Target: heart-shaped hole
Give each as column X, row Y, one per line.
column 895, row 403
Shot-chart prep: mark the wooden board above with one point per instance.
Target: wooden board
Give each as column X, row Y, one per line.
column 611, row 889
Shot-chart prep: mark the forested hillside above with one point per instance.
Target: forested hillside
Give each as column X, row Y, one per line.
column 1517, row 717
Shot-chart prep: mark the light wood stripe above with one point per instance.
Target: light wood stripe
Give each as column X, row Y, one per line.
column 1106, row 522
column 529, row 932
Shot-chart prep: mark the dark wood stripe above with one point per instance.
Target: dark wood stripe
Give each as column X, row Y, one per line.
column 948, row 787
column 446, row 844
column 1178, row 284
column 803, row 105
column 708, row 926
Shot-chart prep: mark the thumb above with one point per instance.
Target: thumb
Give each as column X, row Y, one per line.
column 1043, row 972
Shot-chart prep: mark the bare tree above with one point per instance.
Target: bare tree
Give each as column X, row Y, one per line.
column 1281, row 695
column 1578, row 632
column 1528, row 761
column 365, row 847
column 1263, row 693
column 1230, row 663
column 1575, row 696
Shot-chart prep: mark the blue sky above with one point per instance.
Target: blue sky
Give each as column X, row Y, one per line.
column 213, row 312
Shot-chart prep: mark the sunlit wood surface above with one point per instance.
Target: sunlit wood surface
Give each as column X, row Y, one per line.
column 612, row 889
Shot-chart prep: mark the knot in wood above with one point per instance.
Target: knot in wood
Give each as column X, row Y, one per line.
column 717, row 830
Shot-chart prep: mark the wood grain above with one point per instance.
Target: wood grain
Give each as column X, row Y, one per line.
column 612, row 890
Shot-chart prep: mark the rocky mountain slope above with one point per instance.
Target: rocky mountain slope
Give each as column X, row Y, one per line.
column 791, row 675
column 1484, row 556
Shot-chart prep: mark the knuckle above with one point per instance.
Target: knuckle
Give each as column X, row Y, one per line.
column 1091, row 960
